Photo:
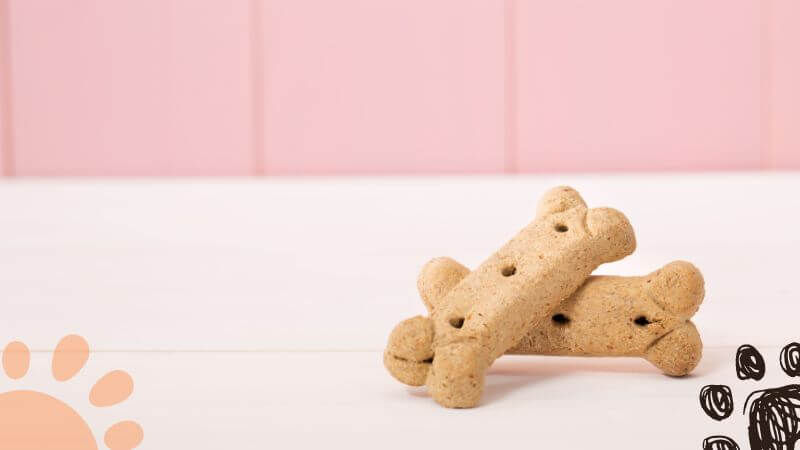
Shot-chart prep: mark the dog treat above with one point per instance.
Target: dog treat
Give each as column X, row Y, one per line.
column 476, row 316
column 628, row 316
column 608, row 316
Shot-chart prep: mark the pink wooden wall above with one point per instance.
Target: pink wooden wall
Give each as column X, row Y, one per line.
column 285, row 87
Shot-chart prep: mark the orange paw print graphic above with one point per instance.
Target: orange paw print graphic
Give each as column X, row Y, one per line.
column 35, row 420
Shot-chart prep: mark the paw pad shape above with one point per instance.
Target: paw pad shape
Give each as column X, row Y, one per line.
column 35, row 420
column 773, row 413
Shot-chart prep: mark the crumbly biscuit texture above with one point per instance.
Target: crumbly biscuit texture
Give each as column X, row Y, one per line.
column 644, row 316
column 647, row 316
column 477, row 316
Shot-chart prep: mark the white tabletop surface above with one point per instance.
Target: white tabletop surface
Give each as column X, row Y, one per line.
column 252, row 313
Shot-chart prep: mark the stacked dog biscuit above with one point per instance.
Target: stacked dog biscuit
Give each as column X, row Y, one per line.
column 536, row 296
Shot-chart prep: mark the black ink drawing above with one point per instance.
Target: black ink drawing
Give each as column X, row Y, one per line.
column 774, row 413
column 774, row 418
column 719, row 443
column 790, row 359
column 717, row 401
column 749, row 363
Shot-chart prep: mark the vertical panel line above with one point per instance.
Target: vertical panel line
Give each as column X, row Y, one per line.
column 257, row 58
column 765, row 48
column 509, row 87
column 6, row 110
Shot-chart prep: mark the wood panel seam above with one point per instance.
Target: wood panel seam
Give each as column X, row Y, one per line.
column 6, row 110
column 257, row 61
column 765, row 88
column 509, row 87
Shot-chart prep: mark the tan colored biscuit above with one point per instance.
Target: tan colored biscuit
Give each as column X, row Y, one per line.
column 628, row 316
column 480, row 315
column 608, row 316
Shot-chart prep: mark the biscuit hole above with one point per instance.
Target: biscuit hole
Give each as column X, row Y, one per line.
column 560, row 319
column 508, row 271
column 428, row 361
column 457, row 322
column 642, row 321
column 561, row 228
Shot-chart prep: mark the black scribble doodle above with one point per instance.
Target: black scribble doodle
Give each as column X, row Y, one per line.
column 773, row 413
column 790, row 359
column 719, row 443
column 749, row 363
column 775, row 418
column 717, row 401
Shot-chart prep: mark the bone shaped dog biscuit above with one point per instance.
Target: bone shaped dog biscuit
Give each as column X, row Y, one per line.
column 645, row 316
column 628, row 316
column 492, row 308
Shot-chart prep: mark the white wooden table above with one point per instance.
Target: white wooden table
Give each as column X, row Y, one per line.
column 252, row 313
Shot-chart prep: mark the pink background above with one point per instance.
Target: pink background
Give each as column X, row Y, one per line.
column 287, row 87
